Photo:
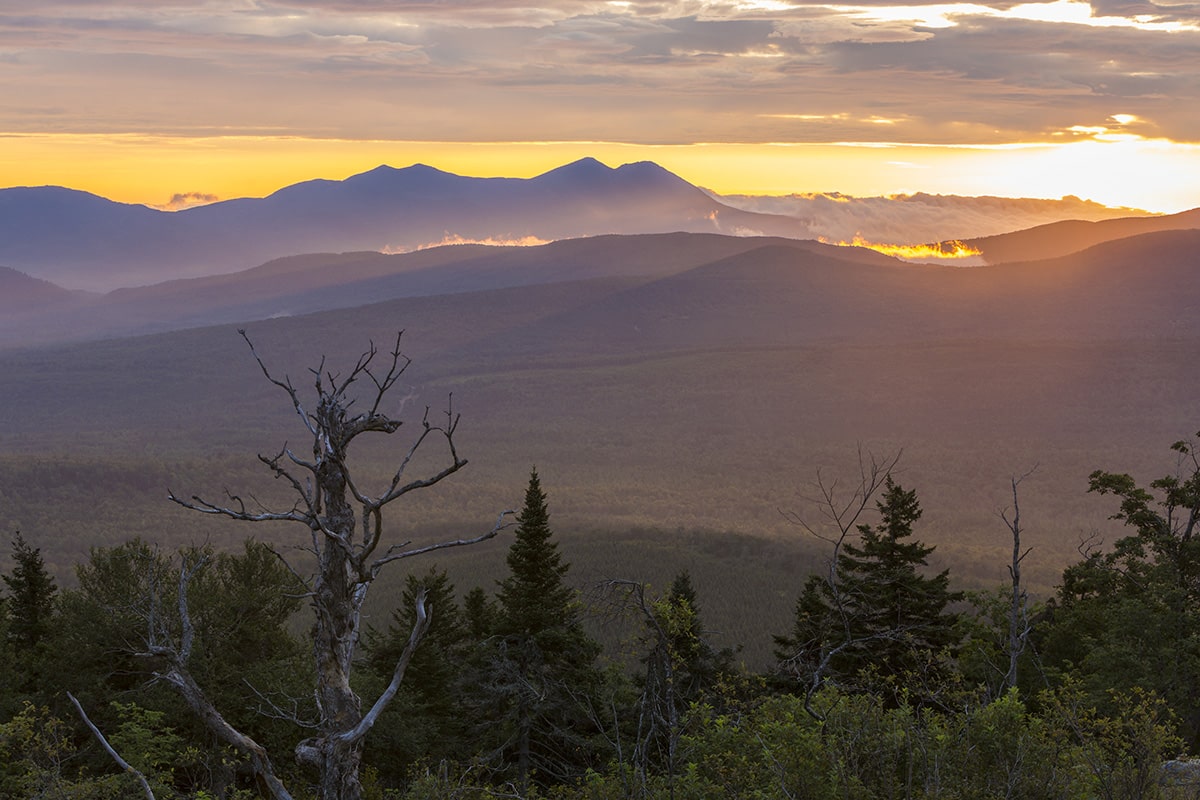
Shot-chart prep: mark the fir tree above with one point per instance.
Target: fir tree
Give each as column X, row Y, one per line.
column 31, row 593
column 425, row 721
column 896, row 610
column 876, row 611
column 681, row 668
column 479, row 613
column 534, row 601
column 542, row 661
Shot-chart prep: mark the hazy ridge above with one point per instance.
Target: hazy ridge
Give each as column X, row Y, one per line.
column 676, row 390
column 702, row 398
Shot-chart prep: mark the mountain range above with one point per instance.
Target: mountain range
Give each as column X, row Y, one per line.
column 324, row 244
column 672, row 381
column 83, row 241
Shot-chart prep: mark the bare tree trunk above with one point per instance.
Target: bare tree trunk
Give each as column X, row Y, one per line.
column 1018, row 619
column 345, row 525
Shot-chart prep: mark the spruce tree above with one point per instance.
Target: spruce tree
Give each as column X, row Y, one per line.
column 875, row 611
column 31, row 593
column 425, row 720
column 681, row 668
column 534, row 600
column 898, row 612
column 543, row 662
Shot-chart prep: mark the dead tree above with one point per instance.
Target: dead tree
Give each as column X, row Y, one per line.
column 345, row 527
column 1019, row 625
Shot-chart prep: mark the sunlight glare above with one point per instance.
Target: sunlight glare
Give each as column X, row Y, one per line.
column 1073, row 12
column 952, row 251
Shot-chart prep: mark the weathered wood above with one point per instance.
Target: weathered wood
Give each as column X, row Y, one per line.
column 108, row 748
column 345, row 523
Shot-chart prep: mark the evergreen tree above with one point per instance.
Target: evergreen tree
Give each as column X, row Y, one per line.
column 681, row 668
column 876, row 612
column 479, row 614
column 700, row 664
column 534, row 601
column 899, row 610
column 425, row 720
column 31, row 593
column 26, row 620
column 542, row 671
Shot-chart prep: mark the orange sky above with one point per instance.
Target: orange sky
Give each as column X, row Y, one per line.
column 141, row 100
column 1156, row 176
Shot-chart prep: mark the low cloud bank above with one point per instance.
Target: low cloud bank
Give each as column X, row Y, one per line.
column 921, row 218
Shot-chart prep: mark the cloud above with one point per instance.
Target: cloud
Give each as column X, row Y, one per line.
column 637, row 71
column 182, row 200
column 920, row 218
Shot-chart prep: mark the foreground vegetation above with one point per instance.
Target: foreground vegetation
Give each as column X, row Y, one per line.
column 889, row 683
column 187, row 675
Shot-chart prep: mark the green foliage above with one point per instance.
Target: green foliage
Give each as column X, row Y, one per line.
column 37, row 751
column 982, row 658
column 536, row 674
column 31, row 592
column 504, row 696
column 876, row 616
column 1123, row 752
column 1130, row 617
column 244, row 656
column 534, row 601
column 774, row 751
column 424, row 721
column 680, row 668
column 26, row 618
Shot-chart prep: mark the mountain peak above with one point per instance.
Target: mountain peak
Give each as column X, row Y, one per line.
column 385, row 175
column 584, row 169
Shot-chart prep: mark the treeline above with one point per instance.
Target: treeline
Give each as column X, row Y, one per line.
column 889, row 683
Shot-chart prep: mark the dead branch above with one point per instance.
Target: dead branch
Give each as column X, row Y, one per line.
column 391, row 556
column 108, row 748
column 844, row 512
column 285, row 384
column 420, row 627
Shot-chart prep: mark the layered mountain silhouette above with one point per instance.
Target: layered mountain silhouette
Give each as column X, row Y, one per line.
column 1071, row 236
column 691, row 290
column 22, row 293
column 669, row 379
column 82, row 241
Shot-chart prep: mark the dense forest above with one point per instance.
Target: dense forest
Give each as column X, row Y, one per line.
column 210, row 673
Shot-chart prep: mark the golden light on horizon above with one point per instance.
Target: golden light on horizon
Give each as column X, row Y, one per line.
column 1155, row 175
column 942, row 252
column 491, row 241
column 945, row 15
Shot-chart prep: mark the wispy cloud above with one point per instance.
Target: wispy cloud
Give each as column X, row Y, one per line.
column 637, row 71
column 182, row 200
column 360, row 68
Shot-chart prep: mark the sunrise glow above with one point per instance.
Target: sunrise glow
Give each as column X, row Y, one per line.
column 491, row 241
column 1155, row 175
column 177, row 105
column 948, row 251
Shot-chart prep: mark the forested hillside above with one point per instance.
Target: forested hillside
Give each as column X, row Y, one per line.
column 180, row 675
column 770, row 512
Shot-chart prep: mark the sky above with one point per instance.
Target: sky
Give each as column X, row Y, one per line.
column 181, row 101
